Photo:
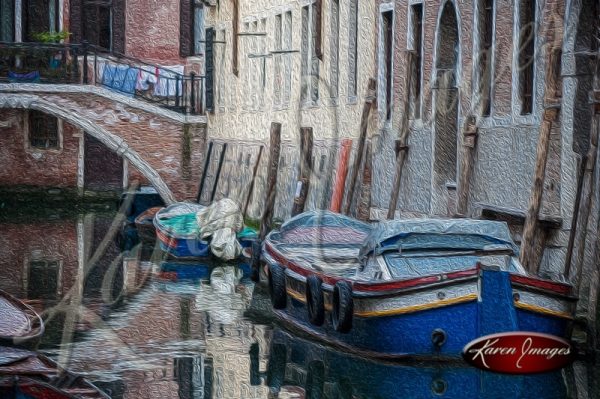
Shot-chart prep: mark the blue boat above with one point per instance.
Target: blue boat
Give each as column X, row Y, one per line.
column 402, row 288
column 297, row 365
column 178, row 232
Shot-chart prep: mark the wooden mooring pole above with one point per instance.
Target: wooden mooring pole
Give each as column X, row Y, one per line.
column 303, row 184
column 218, row 174
column 273, row 166
column 466, row 165
column 251, row 188
column 364, row 203
column 204, row 171
column 528, row 256
column 340, row 176
column 364, row 122
column 402, row 144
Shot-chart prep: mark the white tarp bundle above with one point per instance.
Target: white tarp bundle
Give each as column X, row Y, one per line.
column 222, row 220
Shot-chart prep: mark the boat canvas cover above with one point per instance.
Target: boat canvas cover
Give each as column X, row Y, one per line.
column 437, row 234
column 323, row 241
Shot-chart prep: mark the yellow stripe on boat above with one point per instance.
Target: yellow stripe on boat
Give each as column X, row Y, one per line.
column 389, row 312
column 418, row 308
column 546, row 311
column 299, row 297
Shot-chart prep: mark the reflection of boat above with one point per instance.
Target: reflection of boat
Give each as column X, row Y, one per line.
column 18, row 322
column 145, row 226
column 25, row 374
column 296, row 365
column 178, row 231
column 407, row 287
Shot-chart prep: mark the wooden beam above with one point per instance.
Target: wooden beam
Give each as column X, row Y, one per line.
column 466, row 165
column 273, row 167
column 550, row 115
column 402, row 144
column 364, row 122
column 306, row 145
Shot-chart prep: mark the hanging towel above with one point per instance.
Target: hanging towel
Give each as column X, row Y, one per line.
column 120, row 78
column 167, row 83
column 146, row 75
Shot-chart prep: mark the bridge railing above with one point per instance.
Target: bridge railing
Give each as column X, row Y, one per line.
column 86, row 64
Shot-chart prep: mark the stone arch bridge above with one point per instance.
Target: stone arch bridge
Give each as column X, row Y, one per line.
column 166, row 147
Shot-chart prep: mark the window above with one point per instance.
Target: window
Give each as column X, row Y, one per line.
column 192, row 30
column 486, row 55
column 334, row 48
column 282, row 62
column 39, row 16
column 526, row 61
column 43, row 131
column 353, row 48
column 310, row 61
column 386, row 37
column 43, row 281
column 262, row 61
column 97, row 23
column 7, row 21
column 416, row 45
column 220, row 50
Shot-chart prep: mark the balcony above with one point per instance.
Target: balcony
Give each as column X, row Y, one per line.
column 84, row 64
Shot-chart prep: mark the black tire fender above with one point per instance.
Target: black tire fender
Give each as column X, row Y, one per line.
column 255, row 261
column 277, row 288
column 315, row 302
column 342, row 310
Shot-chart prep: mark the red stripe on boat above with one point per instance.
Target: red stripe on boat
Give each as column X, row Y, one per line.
column 370, row 287
column 168, row 241
column 560, row 288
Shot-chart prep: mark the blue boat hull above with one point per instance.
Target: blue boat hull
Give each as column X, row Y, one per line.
column 409, row 332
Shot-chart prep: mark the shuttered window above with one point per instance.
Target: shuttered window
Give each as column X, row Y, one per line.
column 191, row 27
column 416, row 15
column 310, row 60
column 486, row 54
column 334, row 49
column 210, row 69
column 353, row 48
column 526, row 54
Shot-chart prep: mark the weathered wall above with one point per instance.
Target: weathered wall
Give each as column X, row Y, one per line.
column 247, row 110
column 22, row 165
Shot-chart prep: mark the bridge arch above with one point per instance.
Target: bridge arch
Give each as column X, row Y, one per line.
column 110, row 140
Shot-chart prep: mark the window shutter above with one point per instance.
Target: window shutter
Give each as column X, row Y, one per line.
column 210, row 69
column 75, row 20
column 186, row 45
column 119, row 26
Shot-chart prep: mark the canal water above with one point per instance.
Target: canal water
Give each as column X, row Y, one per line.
column 139, row 325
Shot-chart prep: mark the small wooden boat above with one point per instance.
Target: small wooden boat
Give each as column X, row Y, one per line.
column 19, row 323
column 26, row 374
column 178, row 231
column 144, row 224
column 421, row 287
column 297, row 364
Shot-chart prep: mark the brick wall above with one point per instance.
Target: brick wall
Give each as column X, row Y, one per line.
column 22, row 165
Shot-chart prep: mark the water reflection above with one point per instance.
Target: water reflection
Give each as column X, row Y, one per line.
column 142, row 326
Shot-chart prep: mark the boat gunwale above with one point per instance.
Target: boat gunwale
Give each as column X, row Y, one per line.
column 32, row 317
column 390, row 287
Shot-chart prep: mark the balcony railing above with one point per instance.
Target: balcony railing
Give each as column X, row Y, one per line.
column 87, row 64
